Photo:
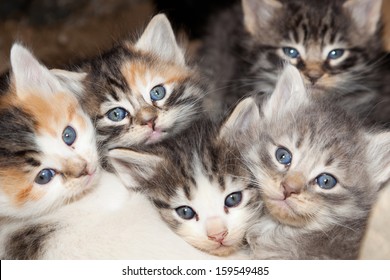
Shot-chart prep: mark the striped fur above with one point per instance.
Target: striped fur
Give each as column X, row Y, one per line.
column 199, row 169
column 244, row 52
column 312, row 222
column 124, row 76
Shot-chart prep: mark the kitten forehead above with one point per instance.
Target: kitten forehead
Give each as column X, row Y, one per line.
column 141, row 73
column 52, row 113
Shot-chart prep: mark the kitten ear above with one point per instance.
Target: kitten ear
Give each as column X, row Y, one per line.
column 159, row 38
column 73, row 81
column 378, row 157
column 29, row 75
column 242, row 122
column 289, row 93
column 258, row 14
column 365, row 13
column 130, row 165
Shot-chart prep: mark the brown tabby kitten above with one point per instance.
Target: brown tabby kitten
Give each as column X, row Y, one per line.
column 198, row 184
column 144, row 92
column 336, row 45
column 318, row 172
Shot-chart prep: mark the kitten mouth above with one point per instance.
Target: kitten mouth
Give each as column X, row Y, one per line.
column 156, row 135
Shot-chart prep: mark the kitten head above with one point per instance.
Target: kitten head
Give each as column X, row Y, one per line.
column 315, row 166
column 334, row 44
column 200, row 188
column 143, row 93
column 48, row 153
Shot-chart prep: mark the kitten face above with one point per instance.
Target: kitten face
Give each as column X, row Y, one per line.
column 199, row 187
column 48, row 153
column 334, row 44
column 310, row 160
column 143, row 93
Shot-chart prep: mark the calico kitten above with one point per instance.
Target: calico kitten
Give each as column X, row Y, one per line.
column 142, row 93
column 336, row 45
column 200, row 188
column 318, row 171
column 48, row 154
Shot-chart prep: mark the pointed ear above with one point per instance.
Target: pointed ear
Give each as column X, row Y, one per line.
column 242, row 122
column 289, row 94
column 258, row 14
column 159, row 39
column 365, row 13
column 73, row 81
column 29, row 75
column 132, row 166
column 378, row 157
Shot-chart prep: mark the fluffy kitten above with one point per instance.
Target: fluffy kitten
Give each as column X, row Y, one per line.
column 142, row 93
column 336, row 45
column 318, row 172
column 200, row 188
column 111, row 222
column 48, row 154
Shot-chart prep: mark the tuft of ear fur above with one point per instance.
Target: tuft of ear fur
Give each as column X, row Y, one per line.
column 378, row 157
column 159, row 38
column 129, row 165
column 242, row 122
column 29, row 75
column 73, row 81
column 365, row 13
column 289, row 94
column 258, row 14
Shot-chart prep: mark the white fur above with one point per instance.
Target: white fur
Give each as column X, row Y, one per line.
column 113, row 223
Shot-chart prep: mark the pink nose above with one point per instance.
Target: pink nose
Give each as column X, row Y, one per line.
column 218, row 237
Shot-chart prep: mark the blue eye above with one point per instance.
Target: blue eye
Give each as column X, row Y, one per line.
column 233, row 199
column 335, row 54
column 326, row 181
column 185, row 212
column 291, row 52
column 283, row 156
column 69, row 135
column 44, row 176
column 117, row 114
column 157, row 93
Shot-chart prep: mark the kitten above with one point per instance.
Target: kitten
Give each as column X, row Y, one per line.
column 198, row 188
column 109, row 223
column 48, row 154
column 318, row 171
column 336, row 45
column 142, row 93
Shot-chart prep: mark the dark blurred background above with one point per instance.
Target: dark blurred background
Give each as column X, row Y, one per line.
column 62, row 31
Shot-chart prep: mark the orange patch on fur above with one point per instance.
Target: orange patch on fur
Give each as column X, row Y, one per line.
column 18, row 186
column 51, row 112
column 137, row 71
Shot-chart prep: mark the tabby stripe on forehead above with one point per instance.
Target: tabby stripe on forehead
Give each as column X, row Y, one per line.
column 161, row 204
column 118, row 83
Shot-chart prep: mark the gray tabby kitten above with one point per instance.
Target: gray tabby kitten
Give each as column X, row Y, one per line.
column 336, row 45
column 144, row 92
column 318, row 171
column 201, row 188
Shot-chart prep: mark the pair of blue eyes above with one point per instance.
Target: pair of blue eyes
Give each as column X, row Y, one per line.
column 44, row 176
column 294, row 53
column 117, row 114
column 324, row 181
column 187, row 213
